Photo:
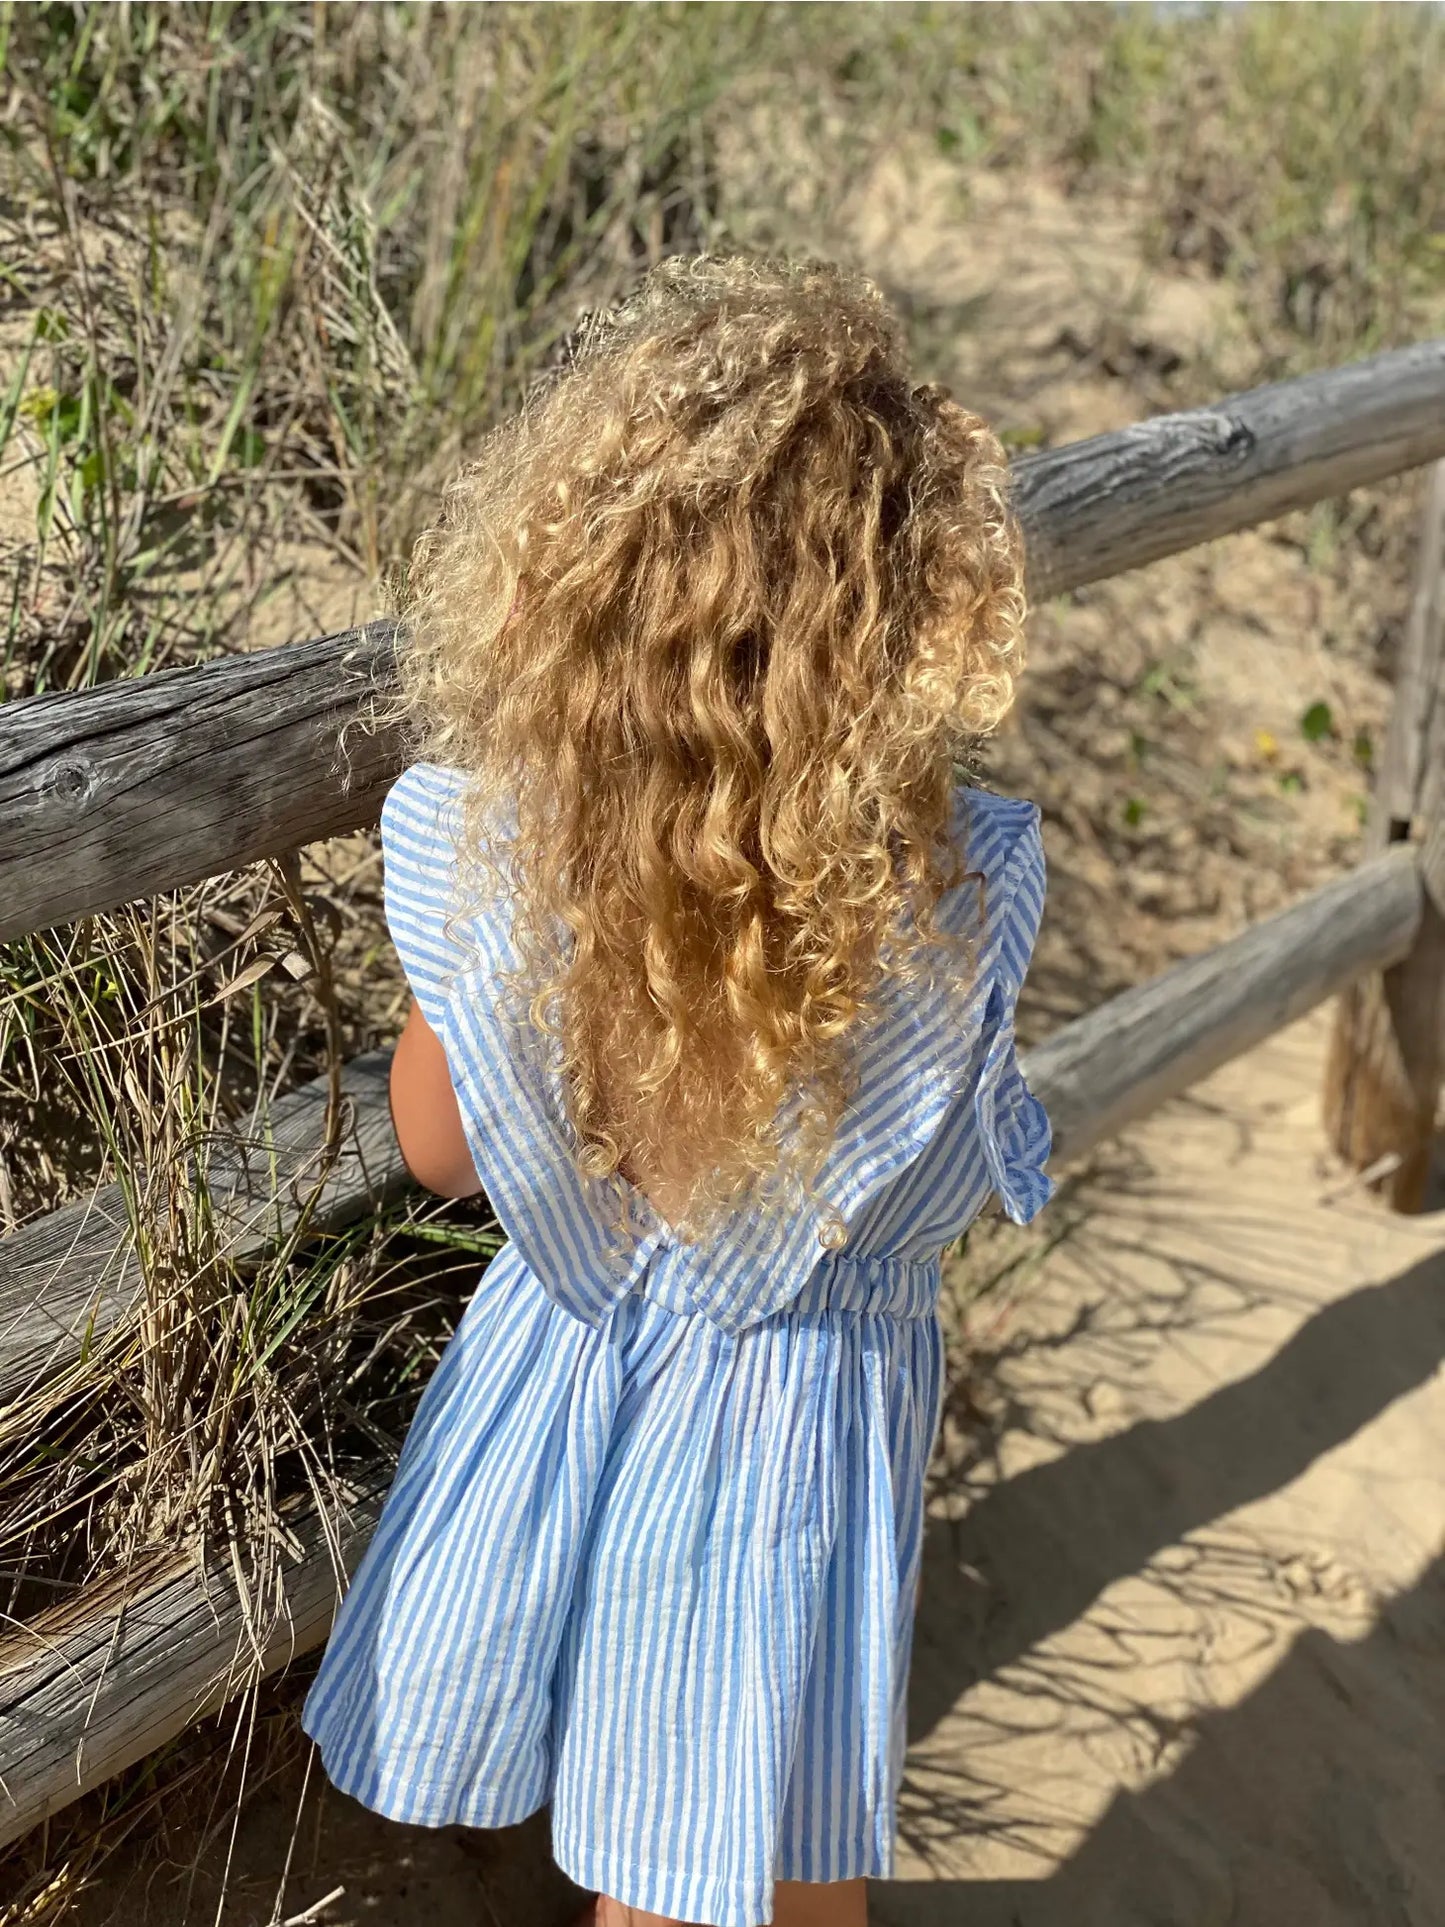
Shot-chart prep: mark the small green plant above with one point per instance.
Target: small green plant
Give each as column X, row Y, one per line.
column 961, row 138
column 1171, row 684
column 1322, row 545
column 1317, row 724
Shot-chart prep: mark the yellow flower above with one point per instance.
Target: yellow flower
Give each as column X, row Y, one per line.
column 39, row 404
column 1266, row 746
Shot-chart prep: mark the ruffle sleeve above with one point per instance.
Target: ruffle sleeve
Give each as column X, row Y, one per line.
column 1013, row 1125
column 931, row 1052
column 418, row 883
column 565, row 1226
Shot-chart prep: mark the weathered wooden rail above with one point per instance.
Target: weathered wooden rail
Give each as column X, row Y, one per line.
column 118, row 792
column 143, row 786
column 1382, row 1082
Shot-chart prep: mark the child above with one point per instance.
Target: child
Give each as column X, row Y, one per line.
column 715, row 957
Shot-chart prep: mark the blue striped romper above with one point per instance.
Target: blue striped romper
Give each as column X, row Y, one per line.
column 653, row 1542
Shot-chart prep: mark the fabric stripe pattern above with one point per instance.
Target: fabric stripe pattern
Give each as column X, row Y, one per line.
column 652, row 1548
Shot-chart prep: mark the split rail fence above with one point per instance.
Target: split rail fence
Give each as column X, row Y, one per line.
column 137, row 787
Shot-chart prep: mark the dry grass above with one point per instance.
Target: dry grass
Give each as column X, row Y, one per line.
column 264, row 270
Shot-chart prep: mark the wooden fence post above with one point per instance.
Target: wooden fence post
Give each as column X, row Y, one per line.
column 1387, row 1054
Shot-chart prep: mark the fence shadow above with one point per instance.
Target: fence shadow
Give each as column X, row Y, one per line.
column 1034, row 1553
column 1002, row 1578
column 1357, row 1811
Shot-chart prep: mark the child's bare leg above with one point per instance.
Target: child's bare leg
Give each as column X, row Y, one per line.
column 612, row 1913
column 810, row 1903
column 796, row 1903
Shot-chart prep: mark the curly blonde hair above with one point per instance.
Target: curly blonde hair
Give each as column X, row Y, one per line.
column 715, row 616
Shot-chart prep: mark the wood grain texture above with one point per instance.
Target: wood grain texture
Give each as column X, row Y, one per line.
column 69, row 1278
column 1387, row 1050
column 118, row 792
column 138, row 786
column 92, row 1687
column 1117, row 501
column 1123, row 1060
column 1413, row 738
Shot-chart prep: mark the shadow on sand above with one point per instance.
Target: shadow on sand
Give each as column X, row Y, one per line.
column 1035, row 1552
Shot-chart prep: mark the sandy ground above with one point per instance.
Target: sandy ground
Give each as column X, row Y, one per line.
column 1181, row 1649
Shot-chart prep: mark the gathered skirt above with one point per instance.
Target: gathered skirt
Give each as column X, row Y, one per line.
column 657, row 1575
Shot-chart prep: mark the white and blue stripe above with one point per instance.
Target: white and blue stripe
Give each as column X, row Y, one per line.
column 652, row 1547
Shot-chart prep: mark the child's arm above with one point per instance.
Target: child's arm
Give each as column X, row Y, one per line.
column 425, row 1116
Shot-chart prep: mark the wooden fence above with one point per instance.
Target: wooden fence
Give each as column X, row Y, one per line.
column 137, row 787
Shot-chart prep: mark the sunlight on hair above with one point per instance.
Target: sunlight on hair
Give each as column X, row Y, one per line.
column 711, row 622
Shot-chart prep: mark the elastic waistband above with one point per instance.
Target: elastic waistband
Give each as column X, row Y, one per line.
column 901, row 1287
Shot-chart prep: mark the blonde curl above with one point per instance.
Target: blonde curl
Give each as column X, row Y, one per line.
column 709, row 625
